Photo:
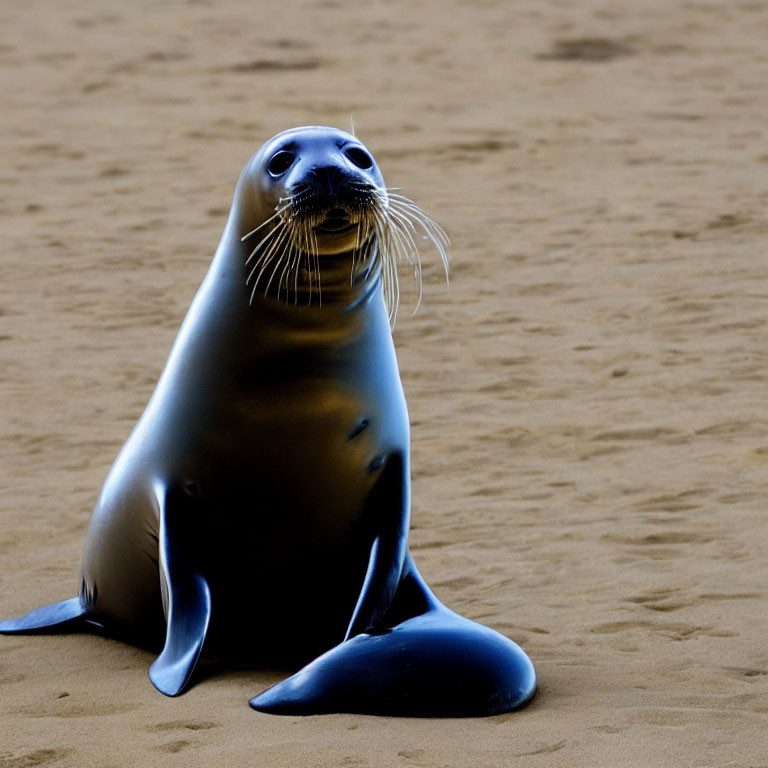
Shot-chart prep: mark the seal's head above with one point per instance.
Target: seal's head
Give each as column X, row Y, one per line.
column 313, row 205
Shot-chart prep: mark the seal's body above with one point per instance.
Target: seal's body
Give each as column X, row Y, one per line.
column 269, row 436
column 261, row 504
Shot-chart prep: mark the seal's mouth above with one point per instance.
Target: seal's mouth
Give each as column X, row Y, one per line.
column 371, row 225
column 336, row 222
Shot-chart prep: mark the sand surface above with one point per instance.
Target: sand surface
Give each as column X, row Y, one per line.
column 588, row 398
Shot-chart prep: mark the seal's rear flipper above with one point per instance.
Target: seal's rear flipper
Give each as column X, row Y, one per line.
column 188, row 610
column 434, row 664
column 66, row 616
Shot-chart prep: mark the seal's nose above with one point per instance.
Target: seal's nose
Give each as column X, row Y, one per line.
column 327, row 178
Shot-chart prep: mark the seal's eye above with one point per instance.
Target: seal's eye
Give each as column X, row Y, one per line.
column 280, row 163
column 359, row 157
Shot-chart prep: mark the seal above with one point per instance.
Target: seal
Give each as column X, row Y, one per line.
column 261, row 504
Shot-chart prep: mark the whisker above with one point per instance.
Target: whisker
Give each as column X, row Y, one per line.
column 413, row 258
column 296, row 270
column 266, row 257
column 307, row 249
column 389, row 279
column 277, row 213
column 432, row 232
column 355, row 254
column 405, row 246
column 285, row 272
column 405, row 202
column 400, row 218
column 264, row 261
column 264, row 240
column 316, row 258
column 281, row 260
column 293, row 266
column 409, row 254
column 361, row 257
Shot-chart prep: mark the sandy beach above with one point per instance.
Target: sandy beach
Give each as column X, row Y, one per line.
column 588, row 396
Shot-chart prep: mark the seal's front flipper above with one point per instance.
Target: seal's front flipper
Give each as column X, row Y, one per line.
column 66, row 616
column 188, row 603
column 431, row 664
column 389, row 507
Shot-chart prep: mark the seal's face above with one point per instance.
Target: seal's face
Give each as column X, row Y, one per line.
column 325, row 183
column 313, row 206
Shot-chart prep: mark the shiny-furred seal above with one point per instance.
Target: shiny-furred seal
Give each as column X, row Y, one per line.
column 260, row 508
